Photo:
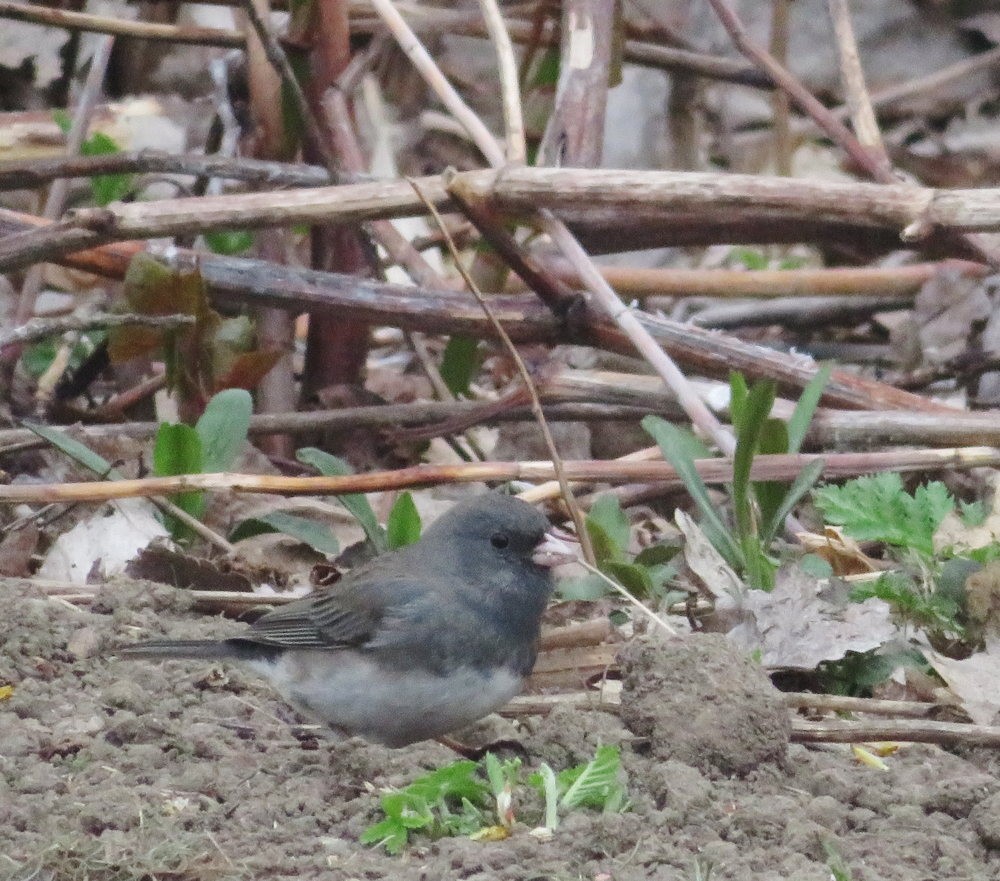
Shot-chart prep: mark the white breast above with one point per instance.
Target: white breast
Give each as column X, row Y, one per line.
column 344, row 690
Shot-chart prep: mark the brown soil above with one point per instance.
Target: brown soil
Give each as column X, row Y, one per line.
column 115, row 770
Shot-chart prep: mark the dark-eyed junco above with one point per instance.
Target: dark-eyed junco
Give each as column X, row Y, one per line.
column 419, row 641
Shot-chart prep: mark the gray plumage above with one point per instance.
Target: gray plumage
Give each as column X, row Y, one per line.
column 413, row 644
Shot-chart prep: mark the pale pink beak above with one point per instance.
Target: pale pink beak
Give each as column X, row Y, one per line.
column 552, row 550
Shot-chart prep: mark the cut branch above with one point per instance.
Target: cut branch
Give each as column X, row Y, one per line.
column 621, row 208
column 765, row 467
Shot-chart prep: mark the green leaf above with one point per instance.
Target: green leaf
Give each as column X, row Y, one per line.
column 62, row 119
column 657, row 554
column 676, row 449
column 583, row 587
column 403, row 526
column 769, row 493
column 877, row 508
column 460, row 362
column 223, row 428
column 804, row 481
column 608, row 527
column 547, row 71
column 106, row 188
column 816, row 566
column 77, row 451
column 806, row 406
column 450, row 800
column 229, row 241
column 738, row 392
column 748, row 426
column 595, row 784
column 38, row 357
column 750, row 258
column 176, row 451
column 356, row 503
column 972, row 513
column 634, row 578
column 549, row 785
column 309, row 532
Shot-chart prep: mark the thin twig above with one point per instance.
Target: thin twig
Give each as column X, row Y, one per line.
column 513, row 114
column 536, row 405
column 80, row 21
column 713, row 471
column 40, row 328
column 31, row 173
column 648, row 612
column 853, row 78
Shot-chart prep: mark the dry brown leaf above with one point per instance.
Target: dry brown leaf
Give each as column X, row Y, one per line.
column 798, row 625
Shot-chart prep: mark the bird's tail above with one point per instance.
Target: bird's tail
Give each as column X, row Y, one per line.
column 204, row 649
column 234, row 649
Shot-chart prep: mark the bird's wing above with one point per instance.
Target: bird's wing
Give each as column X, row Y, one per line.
column 345, row 617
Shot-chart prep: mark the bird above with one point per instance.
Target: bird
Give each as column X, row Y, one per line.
column 416, row 643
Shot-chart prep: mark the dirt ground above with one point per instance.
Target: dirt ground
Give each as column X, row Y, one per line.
column 115, row 770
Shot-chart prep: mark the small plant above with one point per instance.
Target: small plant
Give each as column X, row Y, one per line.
column 212, row 354
column 759, row 507
column 104, row 188
column 468, row 798
column 210, row 446
column 594, row 785
column 927, row 590
column 878, row 508
column 453, row 800
column 646, row 574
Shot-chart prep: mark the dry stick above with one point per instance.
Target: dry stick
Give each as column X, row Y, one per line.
column 906, row 730
column 853, row 78
column 574, row 133
column 765, row 467
column 389, row 416
column 40, row 328
column 842, row 429
column 536, row 405
column 839, row 703
column 32, row 173
column 644, row 204
column 781, row 111
column 608, row 301
column 517, row 150
column 79, row 21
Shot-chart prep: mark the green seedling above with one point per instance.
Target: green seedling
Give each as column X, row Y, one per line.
column 645, row 574
column 461, row 798
column 104, row 188
column 759, row 507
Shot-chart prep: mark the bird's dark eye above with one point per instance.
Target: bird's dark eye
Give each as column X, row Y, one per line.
column 499, row 540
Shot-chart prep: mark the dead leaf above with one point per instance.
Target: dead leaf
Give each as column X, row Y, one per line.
column 951, row 309
column 843, row 553
column 716, row 576
column 102, row 544
column 976, row 680
column 798, row 625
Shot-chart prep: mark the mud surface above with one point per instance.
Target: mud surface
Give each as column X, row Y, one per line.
column 115, row 770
